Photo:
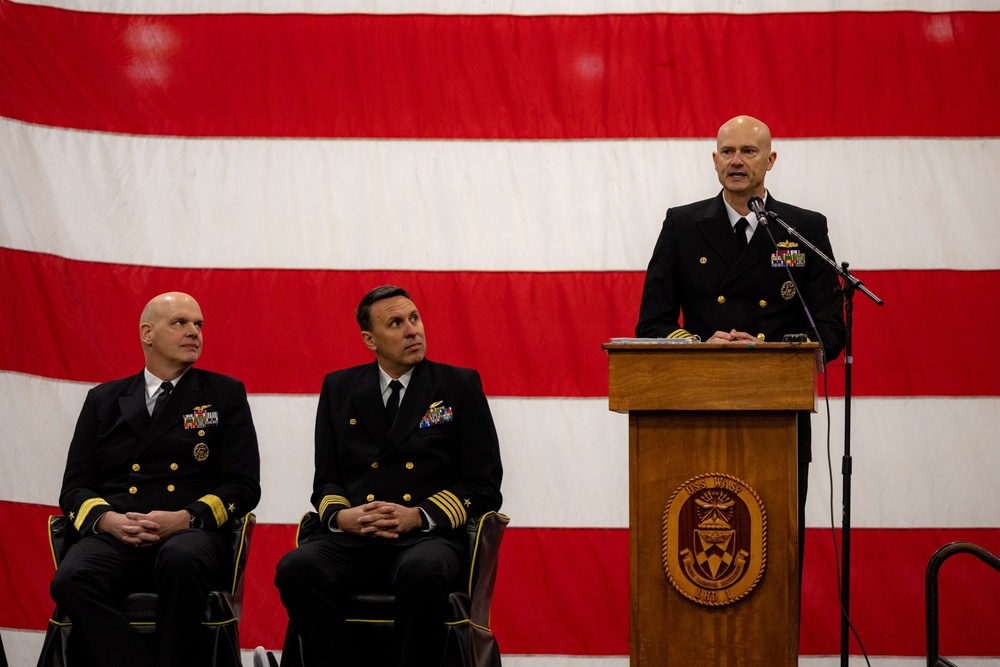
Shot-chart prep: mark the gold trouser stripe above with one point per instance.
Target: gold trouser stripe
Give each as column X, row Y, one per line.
column 324, row 504
column 218, row 509
column 451, row 506
column 85, row 508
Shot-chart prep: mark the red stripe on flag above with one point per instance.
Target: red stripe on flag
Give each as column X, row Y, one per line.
column 564, row 591
column 529, row 334
column 888, row 573
column 548, row 77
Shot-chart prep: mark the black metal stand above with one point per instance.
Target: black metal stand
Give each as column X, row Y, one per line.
column 850, row 285
column 846, row 471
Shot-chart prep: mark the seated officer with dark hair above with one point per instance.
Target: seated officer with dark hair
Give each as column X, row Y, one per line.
column 159, row 462
column 406, row 451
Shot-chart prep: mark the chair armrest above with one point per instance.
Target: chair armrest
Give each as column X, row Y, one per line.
column 309, row 525
column 242, row 532
column 62, row 535
column 485, row 534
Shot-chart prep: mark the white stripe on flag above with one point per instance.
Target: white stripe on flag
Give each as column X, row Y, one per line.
column 918, row 462
column 306, row 204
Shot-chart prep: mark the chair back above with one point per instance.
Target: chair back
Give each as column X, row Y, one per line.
column 62, row 535
column 485, row 535
column 242, row 530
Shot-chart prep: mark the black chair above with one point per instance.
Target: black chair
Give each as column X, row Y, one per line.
column 222, row 609
column 470, row 641
column 934, row 659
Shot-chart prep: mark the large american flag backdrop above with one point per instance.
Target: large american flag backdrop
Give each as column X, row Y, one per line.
column 509, row 163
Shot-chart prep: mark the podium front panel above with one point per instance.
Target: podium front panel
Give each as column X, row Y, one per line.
column 668, row 450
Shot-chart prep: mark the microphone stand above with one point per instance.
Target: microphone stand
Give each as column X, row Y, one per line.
column 850, row 285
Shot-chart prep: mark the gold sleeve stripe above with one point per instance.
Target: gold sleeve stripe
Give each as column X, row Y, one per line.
column 218, row 509
column 85, row 508
column 451, row 506
column 324, row 504
column 680, row 333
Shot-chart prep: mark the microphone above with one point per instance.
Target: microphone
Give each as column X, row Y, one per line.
column 756, row 205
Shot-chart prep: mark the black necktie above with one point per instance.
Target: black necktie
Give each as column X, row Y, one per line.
column 161, row 400
column 392, row 405
column 740, row 229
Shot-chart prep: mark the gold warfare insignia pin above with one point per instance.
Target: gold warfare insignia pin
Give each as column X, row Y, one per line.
column 200, row 452
column 788, row 290
column 435, row 404
column 714, row 539
column 788, row 244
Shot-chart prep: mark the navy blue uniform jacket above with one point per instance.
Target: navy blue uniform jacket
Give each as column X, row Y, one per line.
column 441, row 454
column 697, row 271
column 200, row 454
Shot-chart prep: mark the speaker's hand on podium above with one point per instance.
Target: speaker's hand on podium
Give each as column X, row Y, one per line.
column 733, row 336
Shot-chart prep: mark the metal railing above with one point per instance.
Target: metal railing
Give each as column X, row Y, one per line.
column 933, row 566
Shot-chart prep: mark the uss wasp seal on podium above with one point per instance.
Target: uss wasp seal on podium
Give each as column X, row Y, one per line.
column 714, row 539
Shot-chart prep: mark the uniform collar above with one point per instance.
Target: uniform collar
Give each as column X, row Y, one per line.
column 734, row 216
column 153, row 383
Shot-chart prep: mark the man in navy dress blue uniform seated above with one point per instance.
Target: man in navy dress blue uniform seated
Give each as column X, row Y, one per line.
column 159, row 463
column 406, row 452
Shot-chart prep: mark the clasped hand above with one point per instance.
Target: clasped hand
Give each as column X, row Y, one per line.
column 142, row 530
column 379, row 519
column 733, row 336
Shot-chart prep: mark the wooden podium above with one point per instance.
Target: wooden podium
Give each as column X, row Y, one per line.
column 713, row 505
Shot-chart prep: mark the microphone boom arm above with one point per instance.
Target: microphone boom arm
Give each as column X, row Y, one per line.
column 850, row 282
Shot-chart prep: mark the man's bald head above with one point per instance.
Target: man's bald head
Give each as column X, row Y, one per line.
column 170, row 332
column 742, row 158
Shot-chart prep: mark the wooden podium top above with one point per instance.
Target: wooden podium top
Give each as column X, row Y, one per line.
column 651, row 375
